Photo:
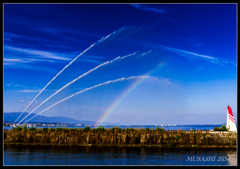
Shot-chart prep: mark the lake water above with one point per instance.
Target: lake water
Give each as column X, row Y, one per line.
column 76, row 155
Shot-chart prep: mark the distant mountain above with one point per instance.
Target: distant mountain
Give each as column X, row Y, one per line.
column 40, row 118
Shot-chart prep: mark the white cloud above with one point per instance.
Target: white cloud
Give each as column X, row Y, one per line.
column 190, row 53
column 21, row 100
column 43, row 56
column 28, row 91
column 23, row 64
column 39, row 53
column 211, row 59
column 162, row 81
column 12, row 61
column 10, row 36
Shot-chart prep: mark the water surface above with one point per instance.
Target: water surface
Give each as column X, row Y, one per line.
column 76, row 155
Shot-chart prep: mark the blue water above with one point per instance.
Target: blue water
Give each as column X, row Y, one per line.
column 76, row 155
column 177, row 127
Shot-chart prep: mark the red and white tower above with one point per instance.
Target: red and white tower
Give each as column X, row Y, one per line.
column 230, row 120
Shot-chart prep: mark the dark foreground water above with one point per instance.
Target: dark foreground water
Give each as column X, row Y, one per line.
column 75, row 155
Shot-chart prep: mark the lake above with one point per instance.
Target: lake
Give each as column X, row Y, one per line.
column 76, row 155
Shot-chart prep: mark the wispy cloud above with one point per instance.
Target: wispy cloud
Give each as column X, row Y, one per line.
column 191, row 53
column 192, row 42
column 21, row 101
column 93, row 59
column 21, row 65
column 151, row 9
column 39, row 53
column 18, row 85
column 33, row 105
column 13, row 61
column 25, row 58
column 8, row 61
column 160, row 80
column 211, row 59
column 28, row 91
column 45, row 41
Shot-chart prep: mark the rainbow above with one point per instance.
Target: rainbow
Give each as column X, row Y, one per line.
column 133, row 86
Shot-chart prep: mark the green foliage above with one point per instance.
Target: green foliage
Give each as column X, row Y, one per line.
column 73, row 129
column 25, row 128
column 32, row 128
column 223, row 128
column 87, row 128
column 132, row 129
column 19, row 128
column 62, row 129
column 59, row 129
column 52, row 129
column 100, row 129
column 159, row 129
column 217, row 129
column 40, row 130
column 66, row 129
column 116, row 128
column 147, row 129
column 177, row 137
column 45, row 129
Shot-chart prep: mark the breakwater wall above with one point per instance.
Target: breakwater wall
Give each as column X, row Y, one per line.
column 123, row 138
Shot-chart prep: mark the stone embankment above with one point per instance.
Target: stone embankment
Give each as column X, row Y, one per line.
column 152, row 138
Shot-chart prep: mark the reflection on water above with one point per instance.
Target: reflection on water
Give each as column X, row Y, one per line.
column 74, row 155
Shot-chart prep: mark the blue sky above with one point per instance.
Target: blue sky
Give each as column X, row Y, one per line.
column 187, row 52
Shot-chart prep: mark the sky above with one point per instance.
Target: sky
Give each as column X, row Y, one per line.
column 179, row 62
